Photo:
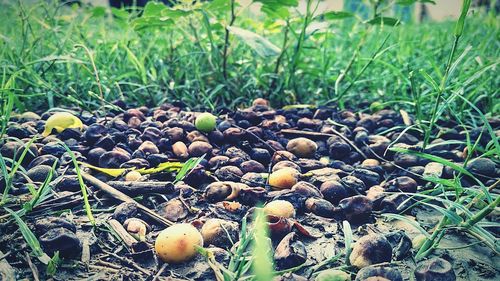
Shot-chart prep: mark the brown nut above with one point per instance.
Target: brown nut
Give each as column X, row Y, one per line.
column 302, row 147
column 180, row 150
column 370, row 249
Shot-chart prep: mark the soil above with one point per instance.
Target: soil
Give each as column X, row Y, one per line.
column 350, row 151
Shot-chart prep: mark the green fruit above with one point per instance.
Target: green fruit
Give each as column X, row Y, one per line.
column 205, row 122
column 332, row 275
column 376, row 106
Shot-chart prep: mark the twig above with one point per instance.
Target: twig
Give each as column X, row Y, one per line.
column 160, row 271
column 323, row 135
column 33, row 268
column 125, row 198
column 132, row 188
column 118, row 228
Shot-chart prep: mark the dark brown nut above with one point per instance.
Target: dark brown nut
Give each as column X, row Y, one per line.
column 234, row 135
column 94, row 132
column 379, row 273
column 54, row 148
column 285, row 164
column 482, row 166
column 290, row 252
column 148, row 147
column 306, row 189
column 320, row 207
column 307, row 165
column 196, row 136
column 94, row 155
column 220, row 233
column 105, row 142
column 276, row 146
column 173, row 210
column 252, row 166
column 114, row 158
column 217, row 161
column 218, row 191
column 356, row 208
column 229, row 173
column 125, row 211
column 333, row 191
column 248, row 115
column 376, row 195
column 253, row 179
column 308, row 123
column 338, row 148
column 151, row 134
column 40, row 173
column 395, row 203
column 353, row 185
column 370, row 249
column 260, row 102
column 302, row 147
column 400, row 242
column 406, row 160
column 199, row 148
column 435, row 269
column 136, row 163
column 134, row 122
column 233, row 151
column 180, row 150
column 45, row 224
column 62, row 240
column 283, row 155
column 261, row 155
column 68, row 183
column 403, row 184
column 133, row 113
column 368, row 177
column 175, row 134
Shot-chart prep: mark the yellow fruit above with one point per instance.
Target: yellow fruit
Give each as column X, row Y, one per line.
column 205, row 122
column 61, row 121
column 283, row 178
column 280, row 208
column 178, row 242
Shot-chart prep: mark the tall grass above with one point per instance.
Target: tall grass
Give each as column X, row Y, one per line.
column 148, row 61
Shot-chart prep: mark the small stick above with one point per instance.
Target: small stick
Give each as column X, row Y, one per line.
column 323, row 135
column 132, row 188
column 125, row 198
column 34, row 270
column 160, row 271
column 128, row 239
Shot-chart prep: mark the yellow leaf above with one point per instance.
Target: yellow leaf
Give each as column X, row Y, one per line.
column 108, row 171
column 61, row 121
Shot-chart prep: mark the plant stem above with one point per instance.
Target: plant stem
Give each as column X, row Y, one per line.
column 481, row 214
column 226, row 42
column 278, row 62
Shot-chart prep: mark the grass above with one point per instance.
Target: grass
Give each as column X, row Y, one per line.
column 84, row 55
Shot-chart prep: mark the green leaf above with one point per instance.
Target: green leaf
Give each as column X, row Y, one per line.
column 277, row 8
column 30, row 238
column 337, row 15
column 153, row 9
column 259, row 44
column 187, row 167
column 98, row 12
column 384, row 21
column 262, row 265
column 348, row 240
column 175, row 13
column 53, row 264
column 143, row 23
column 459, row 27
